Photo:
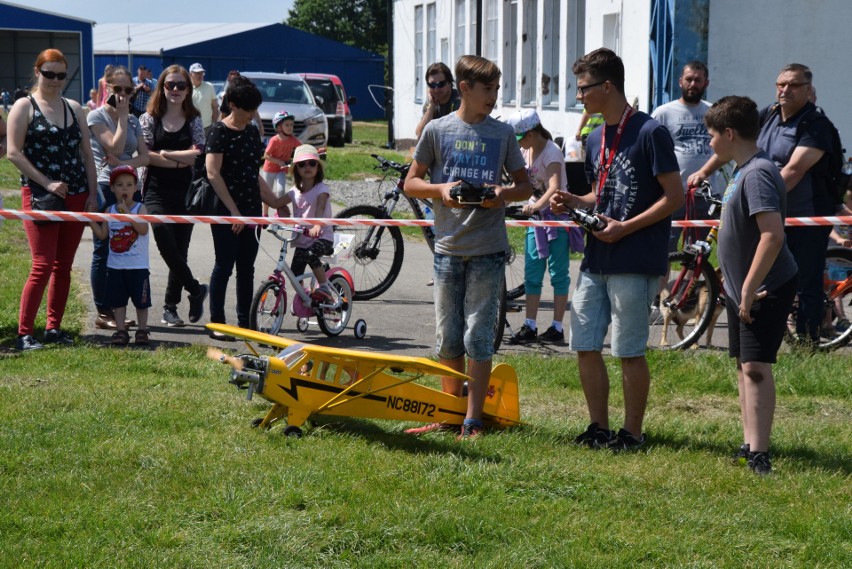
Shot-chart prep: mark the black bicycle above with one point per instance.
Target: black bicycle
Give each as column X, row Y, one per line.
column 377, row 252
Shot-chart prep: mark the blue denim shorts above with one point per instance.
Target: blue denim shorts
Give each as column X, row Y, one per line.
column 467, row 290
column 623, row 300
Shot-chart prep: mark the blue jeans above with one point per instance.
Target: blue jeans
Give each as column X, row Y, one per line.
column 467, row 290
column 232, row 250
column 624, row 300
column 100, row 253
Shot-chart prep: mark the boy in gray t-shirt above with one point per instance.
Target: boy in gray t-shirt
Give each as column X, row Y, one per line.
column 471, row 242
column 759, row 271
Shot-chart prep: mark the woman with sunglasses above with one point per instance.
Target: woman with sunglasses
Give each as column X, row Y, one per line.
column 174, row 135
column 441, row 99
column 53, row 154
column 234, row 152
column 116, row 141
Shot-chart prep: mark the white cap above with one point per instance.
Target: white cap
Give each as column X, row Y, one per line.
column 196, row 68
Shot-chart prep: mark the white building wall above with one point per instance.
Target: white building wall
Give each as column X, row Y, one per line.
column 749, row 42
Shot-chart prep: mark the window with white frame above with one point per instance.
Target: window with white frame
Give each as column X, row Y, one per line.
column 431, row 34
column 510, row 46
column 529, row 54
column 461, row 25
column 419, row 88
column 490, row 32
column 550, row 53
column 575, row 44
column 611, row 32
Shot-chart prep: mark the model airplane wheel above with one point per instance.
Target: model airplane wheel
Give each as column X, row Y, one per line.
column 360, row 328
column 292, row 431
column 302, row 324
column 255, row 423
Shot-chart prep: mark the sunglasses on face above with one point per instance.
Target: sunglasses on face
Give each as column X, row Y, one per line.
column 118, row 90
column 437, row 84
column 53, row 75
column 311, row 163
column 175, row 85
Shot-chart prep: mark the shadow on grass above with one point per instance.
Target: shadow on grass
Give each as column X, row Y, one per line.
column 442, row 443
column 804, row 456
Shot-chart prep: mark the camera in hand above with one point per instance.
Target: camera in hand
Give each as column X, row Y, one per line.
column 588, row 221
column 466, row 193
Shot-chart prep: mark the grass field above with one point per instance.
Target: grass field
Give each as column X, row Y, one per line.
column 136, row 458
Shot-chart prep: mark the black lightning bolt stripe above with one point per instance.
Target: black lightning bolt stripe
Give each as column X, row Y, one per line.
column 296, row 382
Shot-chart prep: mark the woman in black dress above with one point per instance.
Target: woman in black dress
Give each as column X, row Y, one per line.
column 234, row 152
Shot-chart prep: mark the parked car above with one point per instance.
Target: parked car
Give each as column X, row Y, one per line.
column 331, row 96
column 289, row 92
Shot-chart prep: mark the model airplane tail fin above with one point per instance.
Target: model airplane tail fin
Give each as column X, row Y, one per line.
column 501, row 402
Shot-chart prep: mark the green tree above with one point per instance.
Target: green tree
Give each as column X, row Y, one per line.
column 359, row 23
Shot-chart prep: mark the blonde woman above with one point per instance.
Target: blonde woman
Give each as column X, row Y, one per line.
column 116, row 141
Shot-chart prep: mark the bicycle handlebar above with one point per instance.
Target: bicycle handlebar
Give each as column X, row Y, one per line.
column 705, row 192
column 276, row 229
column 385, row 165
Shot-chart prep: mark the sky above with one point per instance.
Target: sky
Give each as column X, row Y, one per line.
column 177, row 11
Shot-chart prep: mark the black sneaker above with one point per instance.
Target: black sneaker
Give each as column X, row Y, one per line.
column 26, row 343
column 759, row 463
column 552, row 336
column 623, row 440
column 196, row 304
column 742, row 454
column 525, row 335
column 170, row 316
column 57, row 336
column 594, row 437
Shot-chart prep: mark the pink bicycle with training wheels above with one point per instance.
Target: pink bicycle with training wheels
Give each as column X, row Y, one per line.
column 269, row 305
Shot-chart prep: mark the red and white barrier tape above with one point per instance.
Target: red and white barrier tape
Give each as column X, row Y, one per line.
column 226, row 220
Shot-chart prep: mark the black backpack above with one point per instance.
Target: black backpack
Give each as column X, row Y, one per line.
column 828, row 172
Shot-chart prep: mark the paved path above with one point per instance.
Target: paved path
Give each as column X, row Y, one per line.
column 400, row 321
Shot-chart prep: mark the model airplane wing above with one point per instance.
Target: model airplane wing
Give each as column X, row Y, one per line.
column 397, row 364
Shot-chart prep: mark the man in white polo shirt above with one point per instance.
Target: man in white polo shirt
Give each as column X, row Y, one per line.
column 203, row 96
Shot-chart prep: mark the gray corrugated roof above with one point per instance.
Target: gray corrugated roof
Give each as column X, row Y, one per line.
column 66, row 16
column 151, row 38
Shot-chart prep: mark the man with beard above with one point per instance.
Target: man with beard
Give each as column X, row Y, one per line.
column 685, row 120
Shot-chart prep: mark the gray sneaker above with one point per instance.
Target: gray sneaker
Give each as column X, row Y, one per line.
column 171, row 318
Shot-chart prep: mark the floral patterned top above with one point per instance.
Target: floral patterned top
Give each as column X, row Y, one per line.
column 241, row 152
column 55, row 151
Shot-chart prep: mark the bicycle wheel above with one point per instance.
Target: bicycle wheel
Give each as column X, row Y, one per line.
column 515, row 255
column 375, row 256
column 835, row 331
column 500, row 325
column 267, row 312
column 333, row 321
column 685, row 316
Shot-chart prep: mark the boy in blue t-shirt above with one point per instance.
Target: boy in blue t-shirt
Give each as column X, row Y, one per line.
column 470, row 242
column 760, row 274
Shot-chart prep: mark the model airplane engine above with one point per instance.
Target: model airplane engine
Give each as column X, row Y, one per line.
column 250, row 375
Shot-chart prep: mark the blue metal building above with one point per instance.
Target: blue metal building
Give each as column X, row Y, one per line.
column 246, row 47
column 25, row 32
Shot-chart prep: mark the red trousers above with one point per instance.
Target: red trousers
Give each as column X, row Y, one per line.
column 52, row 246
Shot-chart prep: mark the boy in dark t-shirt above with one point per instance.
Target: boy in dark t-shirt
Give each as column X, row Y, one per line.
column 758, row 269
column 636, row 186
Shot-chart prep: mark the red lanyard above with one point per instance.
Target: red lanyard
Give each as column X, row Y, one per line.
column 606, row 161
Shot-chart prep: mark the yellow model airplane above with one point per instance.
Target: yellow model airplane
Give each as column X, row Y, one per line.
column 305, row 380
